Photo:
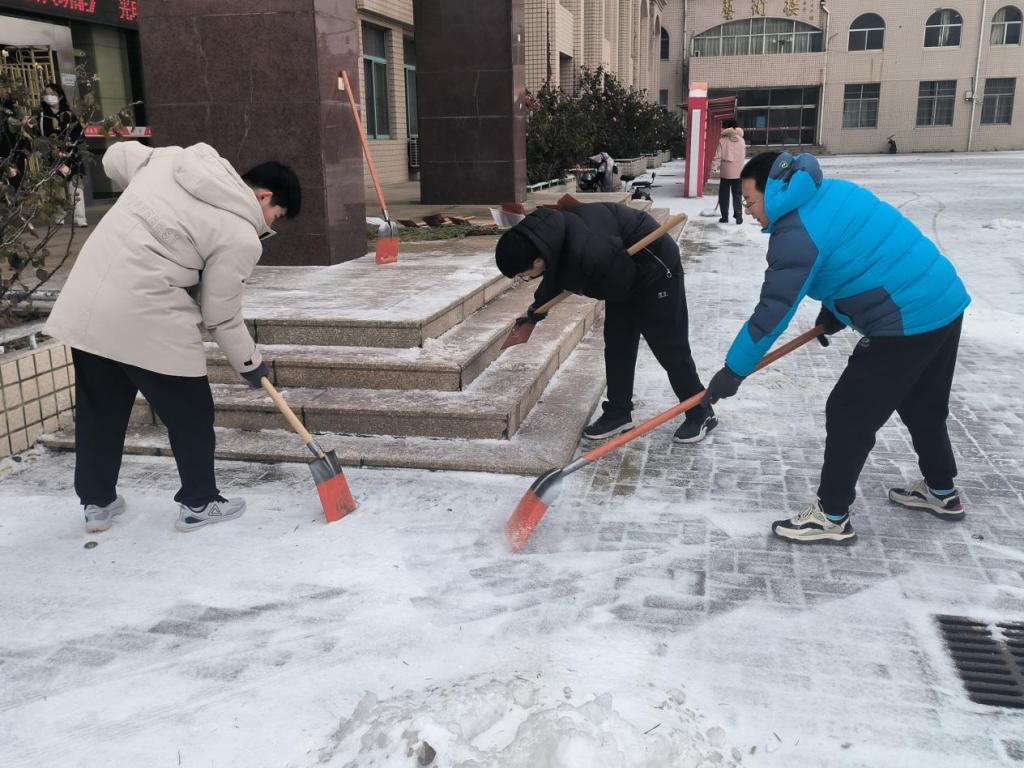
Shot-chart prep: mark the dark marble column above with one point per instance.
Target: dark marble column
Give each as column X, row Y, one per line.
column 258, row 80
column 470, row 82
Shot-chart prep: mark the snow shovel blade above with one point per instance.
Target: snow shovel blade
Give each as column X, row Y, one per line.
column 387, row 243
column 335, row 496
column 531, row 509
column 520, row 334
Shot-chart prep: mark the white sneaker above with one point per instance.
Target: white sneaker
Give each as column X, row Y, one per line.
column 101, row 518
column 217, row 511
column 920, row 496
column 812, row 525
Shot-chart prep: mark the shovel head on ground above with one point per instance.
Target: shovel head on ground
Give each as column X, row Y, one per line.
column 387, row 243
column 335, row 496
column 520, row 334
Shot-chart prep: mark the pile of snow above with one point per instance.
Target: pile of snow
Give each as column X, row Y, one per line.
column 1004, row 224
column 488, row 723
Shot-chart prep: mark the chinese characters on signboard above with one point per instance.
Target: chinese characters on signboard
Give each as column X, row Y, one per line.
column 121, row 13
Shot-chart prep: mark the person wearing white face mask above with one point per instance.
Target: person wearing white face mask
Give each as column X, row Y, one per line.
column 57, row 119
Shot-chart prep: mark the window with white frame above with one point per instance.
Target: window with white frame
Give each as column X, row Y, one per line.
column 935, row 102
column 664, row 44
column 375, row 71
column 1006, row 26
column 997, row 105
column 860, row 105
column 943, row 28
column 753, row 37
column 867, row 33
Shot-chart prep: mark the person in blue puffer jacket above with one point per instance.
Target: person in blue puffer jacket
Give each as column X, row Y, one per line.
column 874, row 271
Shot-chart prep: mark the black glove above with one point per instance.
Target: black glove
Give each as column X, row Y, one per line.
column 257, row 373
column 531, row 316
column 723, row 384
column 832, row 325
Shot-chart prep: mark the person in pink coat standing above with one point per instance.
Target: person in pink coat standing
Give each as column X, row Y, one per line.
column 732, row 154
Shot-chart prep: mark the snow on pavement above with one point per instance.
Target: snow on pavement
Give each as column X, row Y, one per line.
column 652, row 622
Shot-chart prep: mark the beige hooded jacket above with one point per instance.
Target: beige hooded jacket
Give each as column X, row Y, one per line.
column 170, row 258
column 732, row 152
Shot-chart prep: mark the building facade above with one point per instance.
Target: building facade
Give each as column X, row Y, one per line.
column 846, row 76
column 626, row 37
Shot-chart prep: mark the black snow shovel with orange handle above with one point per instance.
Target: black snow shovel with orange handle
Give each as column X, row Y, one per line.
column 524, row 326
column 542, row 493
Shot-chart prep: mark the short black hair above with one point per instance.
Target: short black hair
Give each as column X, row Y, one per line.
column 758, row 168
column 730, row 123
column 279, row 179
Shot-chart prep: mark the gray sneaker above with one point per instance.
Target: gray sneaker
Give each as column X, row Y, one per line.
column 100, row 518
column 920, row 496
column 217, row 511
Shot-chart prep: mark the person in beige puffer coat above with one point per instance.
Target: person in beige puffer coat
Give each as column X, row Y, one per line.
column 169, row 259
column 732, row 154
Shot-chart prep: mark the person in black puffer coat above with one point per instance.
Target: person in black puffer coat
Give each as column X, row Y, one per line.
column 56, row 120
column 583, row 250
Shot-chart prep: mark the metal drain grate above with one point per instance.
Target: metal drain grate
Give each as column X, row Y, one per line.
column 989, row 658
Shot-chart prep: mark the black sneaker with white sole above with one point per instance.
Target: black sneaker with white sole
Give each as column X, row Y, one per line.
column 812, row 526
column 920, row 496
column 695, row 429
column 607, row 426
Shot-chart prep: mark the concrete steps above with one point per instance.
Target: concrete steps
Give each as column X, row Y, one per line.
column 448, row 363
column 547, row 438
column 492, row 406
column 400, row 366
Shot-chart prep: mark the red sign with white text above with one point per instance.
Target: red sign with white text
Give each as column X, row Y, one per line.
column 118, row 13
column 138, row 132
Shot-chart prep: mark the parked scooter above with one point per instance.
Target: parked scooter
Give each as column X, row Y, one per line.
column 640, row 188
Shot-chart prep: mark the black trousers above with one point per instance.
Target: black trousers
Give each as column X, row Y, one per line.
column 911, row 375
column 658, row 313
column 725, row 188
column 105, row 391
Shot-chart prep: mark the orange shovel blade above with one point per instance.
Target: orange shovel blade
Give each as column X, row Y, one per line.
column 387, row 250
column 519, row 335
column 336, row 498
column 526, row 517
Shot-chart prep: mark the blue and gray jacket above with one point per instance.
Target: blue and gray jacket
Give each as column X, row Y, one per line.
column 861, row 258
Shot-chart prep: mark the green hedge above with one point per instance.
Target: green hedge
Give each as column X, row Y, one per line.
column 604, row 116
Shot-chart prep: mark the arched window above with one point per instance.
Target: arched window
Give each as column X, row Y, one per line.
column 942, row 30
column 1006, row 26
column 867, row 33
column 752, row 37
column 664, row 43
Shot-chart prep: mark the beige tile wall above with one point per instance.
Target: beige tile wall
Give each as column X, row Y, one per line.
column 37, row 395
column 899, row 67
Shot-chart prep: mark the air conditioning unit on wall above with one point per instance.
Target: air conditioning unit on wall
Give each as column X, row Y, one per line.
column 414, row 153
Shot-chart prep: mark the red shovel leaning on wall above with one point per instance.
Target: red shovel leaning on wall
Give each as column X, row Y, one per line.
column 542, row 493
column 387, row 234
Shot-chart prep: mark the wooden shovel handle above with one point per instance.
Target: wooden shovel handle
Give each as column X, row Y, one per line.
column 286, row 411
column 697, row 399
column 670, row 222
column 633, row 250
column 366, row 146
